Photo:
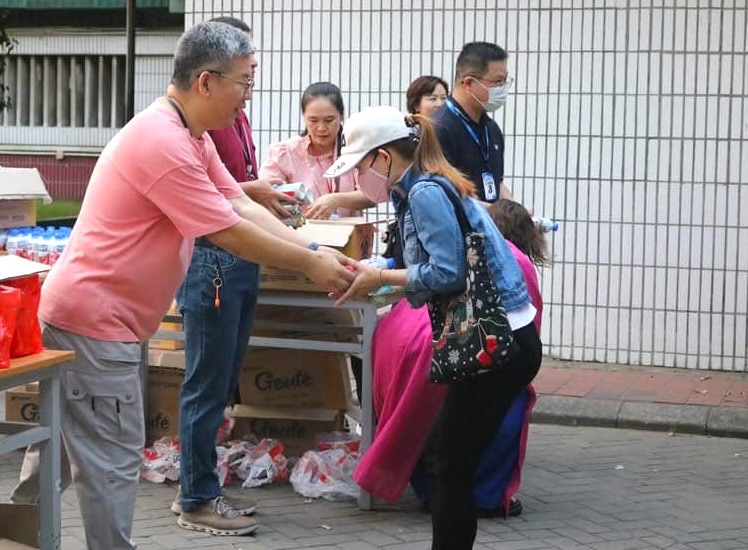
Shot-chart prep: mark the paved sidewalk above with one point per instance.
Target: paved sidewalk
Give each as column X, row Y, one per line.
column 590, row 488
column 674, row 400
column 582, row 489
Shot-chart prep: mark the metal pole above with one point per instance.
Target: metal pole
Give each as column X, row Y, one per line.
column 130, row 61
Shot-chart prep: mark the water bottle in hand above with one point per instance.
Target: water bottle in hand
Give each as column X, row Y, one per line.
column 382, row 263
column 545, row 224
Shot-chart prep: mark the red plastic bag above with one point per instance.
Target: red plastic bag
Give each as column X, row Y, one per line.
column 28, row 335
column 10, row 300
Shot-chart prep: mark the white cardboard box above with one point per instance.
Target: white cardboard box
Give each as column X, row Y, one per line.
column 20, row 188
column 12, row 267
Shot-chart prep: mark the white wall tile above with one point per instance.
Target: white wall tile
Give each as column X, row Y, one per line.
column 617, row 115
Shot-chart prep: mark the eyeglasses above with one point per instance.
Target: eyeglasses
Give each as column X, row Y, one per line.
column 246, row 84
column 502, row 82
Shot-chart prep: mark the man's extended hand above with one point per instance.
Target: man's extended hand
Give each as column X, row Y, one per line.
column 263, row 192
column 330, row 271
column 368, row 279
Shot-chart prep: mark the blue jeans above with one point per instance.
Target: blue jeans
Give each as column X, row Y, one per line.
column 215, row 342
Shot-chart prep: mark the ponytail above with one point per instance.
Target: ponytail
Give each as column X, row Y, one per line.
column 424, row 150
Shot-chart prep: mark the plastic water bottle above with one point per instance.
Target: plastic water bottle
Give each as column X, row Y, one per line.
column 24, row 249
column 58, row 245
column 43, row 245
column 14, row 237
column 545, row 224
column 37, row 247
column 11, row 244
column 14, row 241
column 382, row 263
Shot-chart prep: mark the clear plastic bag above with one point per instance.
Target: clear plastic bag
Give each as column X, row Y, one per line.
column 258, row 464
column 326, row 474
column 161, row 462
column 349, row 442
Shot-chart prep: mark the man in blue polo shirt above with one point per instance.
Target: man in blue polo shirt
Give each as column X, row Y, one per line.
column 471, row 140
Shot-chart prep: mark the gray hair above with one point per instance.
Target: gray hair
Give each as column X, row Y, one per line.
column 208, row 45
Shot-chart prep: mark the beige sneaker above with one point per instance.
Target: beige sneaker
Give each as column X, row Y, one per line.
column 217, row 518
column 244, row 505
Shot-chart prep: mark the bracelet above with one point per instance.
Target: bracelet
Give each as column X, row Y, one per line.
column 313, row 246
column 380, row 277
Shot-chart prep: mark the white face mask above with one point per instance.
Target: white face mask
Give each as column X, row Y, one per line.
column 374, row 186
column 496, row 96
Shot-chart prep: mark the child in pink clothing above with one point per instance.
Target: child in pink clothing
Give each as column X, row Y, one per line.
column 406, row 403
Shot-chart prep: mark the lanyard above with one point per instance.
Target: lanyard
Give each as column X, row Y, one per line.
column 245, row 150
column 468, row 126
column 178, row 110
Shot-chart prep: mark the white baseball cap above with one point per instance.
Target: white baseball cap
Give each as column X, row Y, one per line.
column 365, row 131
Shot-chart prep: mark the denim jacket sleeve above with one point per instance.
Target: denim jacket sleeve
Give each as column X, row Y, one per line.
column 438, row 234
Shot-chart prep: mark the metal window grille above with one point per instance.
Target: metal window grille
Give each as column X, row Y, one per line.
column 85, row 91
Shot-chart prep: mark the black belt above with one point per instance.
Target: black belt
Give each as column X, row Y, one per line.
column 203, row 241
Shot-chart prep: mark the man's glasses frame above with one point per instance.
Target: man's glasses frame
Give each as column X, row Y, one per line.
column 246, row 84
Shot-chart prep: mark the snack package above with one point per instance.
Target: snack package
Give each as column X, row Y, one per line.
column 301, row 193
column 27, row 338
column 10, row 301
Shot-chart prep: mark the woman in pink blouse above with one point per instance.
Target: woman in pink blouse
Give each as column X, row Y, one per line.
column 305, row 158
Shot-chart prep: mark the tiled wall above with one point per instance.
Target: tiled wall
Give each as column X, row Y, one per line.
column 628, row 123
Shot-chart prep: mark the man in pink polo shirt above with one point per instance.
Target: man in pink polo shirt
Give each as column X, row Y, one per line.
column 157, row 186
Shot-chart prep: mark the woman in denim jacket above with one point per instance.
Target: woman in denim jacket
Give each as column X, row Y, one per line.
column 401, row 154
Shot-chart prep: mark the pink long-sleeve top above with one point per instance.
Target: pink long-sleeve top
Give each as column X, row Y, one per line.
column 291, row 161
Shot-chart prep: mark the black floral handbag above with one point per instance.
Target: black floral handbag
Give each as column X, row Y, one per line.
column 471, row 332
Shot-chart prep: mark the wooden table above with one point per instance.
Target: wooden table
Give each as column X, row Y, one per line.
column 45, row 368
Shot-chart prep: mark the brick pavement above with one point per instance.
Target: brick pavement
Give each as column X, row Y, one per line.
column 650, row 384
column 676, row 400
column 583, row 488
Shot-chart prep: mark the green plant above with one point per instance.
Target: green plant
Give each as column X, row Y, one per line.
column 7, row 43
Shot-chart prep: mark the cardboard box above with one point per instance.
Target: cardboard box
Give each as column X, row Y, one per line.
column 294, row 378
column 20, row 188
column 173, row 326
column 296, row 428
column 312, row 323
column 12, row 267
column 167, row 344
column 19, row 526
column 165, row 375
column 354, row 237
column 22, row 404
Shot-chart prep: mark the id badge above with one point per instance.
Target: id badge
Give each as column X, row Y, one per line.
column 489, row 186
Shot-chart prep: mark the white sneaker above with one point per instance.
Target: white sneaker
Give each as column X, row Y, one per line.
column 244, row 505
column 217, row 517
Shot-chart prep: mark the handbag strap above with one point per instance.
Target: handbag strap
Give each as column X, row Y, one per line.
column 453, row 198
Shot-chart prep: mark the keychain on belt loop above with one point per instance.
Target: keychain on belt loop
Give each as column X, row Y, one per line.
column 217, row 284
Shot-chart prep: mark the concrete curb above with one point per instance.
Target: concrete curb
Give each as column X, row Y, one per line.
column 641, row 415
